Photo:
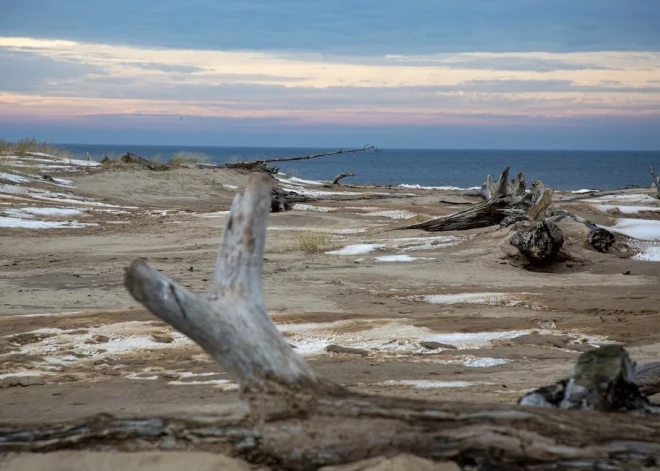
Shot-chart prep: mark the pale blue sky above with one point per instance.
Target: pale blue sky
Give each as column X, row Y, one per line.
column 419, row 73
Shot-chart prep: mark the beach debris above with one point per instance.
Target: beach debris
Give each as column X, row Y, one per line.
column 437, row 345
column 341, row 176
column 502, row 199
column 539, row 243
column 604, row 380
column 296, row 418
column 347, row 350
column 656, row 182
column 133, row 159
column 599, row 238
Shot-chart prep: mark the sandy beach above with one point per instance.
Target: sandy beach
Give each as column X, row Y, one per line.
column 451, row 315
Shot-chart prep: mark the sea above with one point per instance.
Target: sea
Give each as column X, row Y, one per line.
column 560, row 169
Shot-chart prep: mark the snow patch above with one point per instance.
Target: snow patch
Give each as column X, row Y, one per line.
column 356, row 249
column 400, row 258
column 462, row 298
column 580, row 192
column 427, row 384
column 231, row 187
column 33, row 224
column 394, row 214
column 33, row 211
column 626, row 209
column 420, row 187
column 13, row 178
column 643, row 229
column 309, row 207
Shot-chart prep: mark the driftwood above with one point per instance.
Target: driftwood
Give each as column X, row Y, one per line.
column 133, row 159
column 262, row 165
column 341, row 176
column 656, row 181
column 539, row 243
column 282, row 200
column 602, row 380
column 502, row 200
column 598, row 238
column 295, row 419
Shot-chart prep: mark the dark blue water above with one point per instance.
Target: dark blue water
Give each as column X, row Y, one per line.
column 562, row 170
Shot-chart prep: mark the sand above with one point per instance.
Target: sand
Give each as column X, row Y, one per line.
column 73, row 342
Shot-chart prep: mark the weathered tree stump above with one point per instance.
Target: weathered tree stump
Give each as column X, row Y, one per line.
column 294, row 419
column 539, row 243
column 602, row 379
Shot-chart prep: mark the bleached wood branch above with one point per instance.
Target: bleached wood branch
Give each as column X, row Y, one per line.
column 232, row 324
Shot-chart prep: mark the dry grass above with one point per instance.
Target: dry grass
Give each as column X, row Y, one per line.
column 312, row 242
column 29, row 145
column 185, row 159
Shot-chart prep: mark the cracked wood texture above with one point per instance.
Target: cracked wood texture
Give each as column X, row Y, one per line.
column 297, row 420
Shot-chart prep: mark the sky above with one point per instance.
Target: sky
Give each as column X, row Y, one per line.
column 504, row 74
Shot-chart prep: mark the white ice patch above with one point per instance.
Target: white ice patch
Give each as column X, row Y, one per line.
column 643, row 229
column 395, row 338
column 80, row 163
column 452, row 188
column 462, row 298
column 231, row 187
column 224, row 384
column 55, row 212
column 400, row 258
column 217, row 214
column 318, row 229
column 356, row 249
column 426, row 384
column 309, row 207
column 393, row 214
column 33, row 224
column 580, row 192
column 626, row 209
column 301, row 181
column 13, row 178
column 318, row 193
column 649, row 254
column 628, row 198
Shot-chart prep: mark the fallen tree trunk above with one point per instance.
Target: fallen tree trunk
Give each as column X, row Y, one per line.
column 298, row 420
column 342, row 176
column 500, row 204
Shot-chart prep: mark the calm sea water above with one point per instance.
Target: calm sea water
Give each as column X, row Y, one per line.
column 562, row 170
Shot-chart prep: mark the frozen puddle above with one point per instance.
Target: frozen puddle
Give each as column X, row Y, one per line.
column 356, row 249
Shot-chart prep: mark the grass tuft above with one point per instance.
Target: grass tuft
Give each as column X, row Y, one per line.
column 184, row 159
column 28, row 145
column 312, row 242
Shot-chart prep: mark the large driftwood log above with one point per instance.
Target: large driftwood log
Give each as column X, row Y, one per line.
column 298, row 420
column 502, row 200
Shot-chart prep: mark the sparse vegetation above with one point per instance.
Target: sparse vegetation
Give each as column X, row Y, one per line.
column 30, row 145
column 184, row 159
column 312, row 242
